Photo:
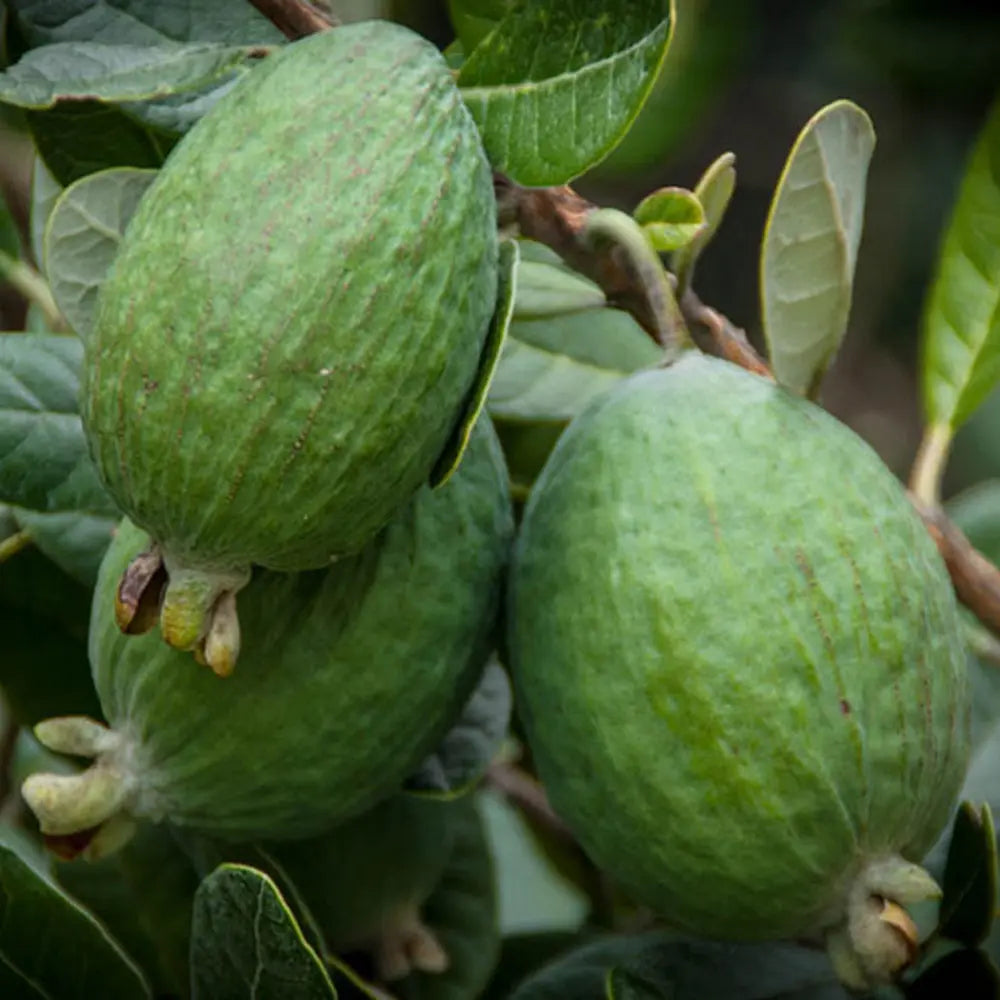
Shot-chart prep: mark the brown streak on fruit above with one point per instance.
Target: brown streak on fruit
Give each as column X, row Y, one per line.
column 294, row 18
column 137, row 601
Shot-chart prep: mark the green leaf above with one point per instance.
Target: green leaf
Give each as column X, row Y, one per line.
column 556, row 84
column 523, row 954
column 546, row 289
column 713, row 191
column 582, row 974
column 660, row 965
column 961, row 322
column 671, row 217
column 74, row 540
column 100, row 887
column 44, row 463
column 82, row 137
column 473, row 20
column 626, row 985
column 162, row 883
column 472, row 742
column 969, row 888
column 52, row 947
column 45, row 189
column 462, row 913
column 811, row 244
column 153, row 23
column 550, row 369
column 246, row 942
column 143, row 22
column 80, row 71
column 83, row 234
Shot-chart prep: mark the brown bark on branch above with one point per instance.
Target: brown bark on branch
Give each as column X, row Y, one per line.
column 294, row 18
column 975, row 579
column 557, row 217
column 524, row 792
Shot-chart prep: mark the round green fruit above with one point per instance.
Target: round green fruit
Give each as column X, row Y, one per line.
column 739, row 662
column 297, row 314
column 352, row 676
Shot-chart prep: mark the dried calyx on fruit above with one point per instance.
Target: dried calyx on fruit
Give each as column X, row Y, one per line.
column 353, row 675
column 298, row 313
column 738, row 576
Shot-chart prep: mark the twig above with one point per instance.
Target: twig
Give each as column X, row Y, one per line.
column 34, row 288
column 558, row 217
column 975, row 579
column 12, row 544
column 523, row 791
column 726, row 340
column 294, row 18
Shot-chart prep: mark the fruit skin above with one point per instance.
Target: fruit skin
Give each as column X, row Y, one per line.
column 351, row 676
column 285, row 340
column 737, row 653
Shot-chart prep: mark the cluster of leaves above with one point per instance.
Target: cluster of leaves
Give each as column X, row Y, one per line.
column 105, row 91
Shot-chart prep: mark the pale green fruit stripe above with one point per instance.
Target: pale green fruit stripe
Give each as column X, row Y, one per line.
column 348, row 678
column 811, row 244
column 961, row 349
column 736, row 651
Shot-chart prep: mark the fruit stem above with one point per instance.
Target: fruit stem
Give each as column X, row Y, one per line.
column 34, row 288
column 12, row 544
column 610, row 226
column 928, row 466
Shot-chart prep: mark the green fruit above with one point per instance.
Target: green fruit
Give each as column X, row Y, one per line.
column 352, row 676
column 739, row 662
column 297, row 313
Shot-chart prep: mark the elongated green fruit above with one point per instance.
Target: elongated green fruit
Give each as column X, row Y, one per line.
column 739, row 663
column 289, row 331
column 350, row 677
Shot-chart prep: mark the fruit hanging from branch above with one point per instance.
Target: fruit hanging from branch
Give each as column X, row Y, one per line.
column 287, row 337
column 739, row 661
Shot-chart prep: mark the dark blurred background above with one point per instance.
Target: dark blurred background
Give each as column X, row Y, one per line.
column 745, row 75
